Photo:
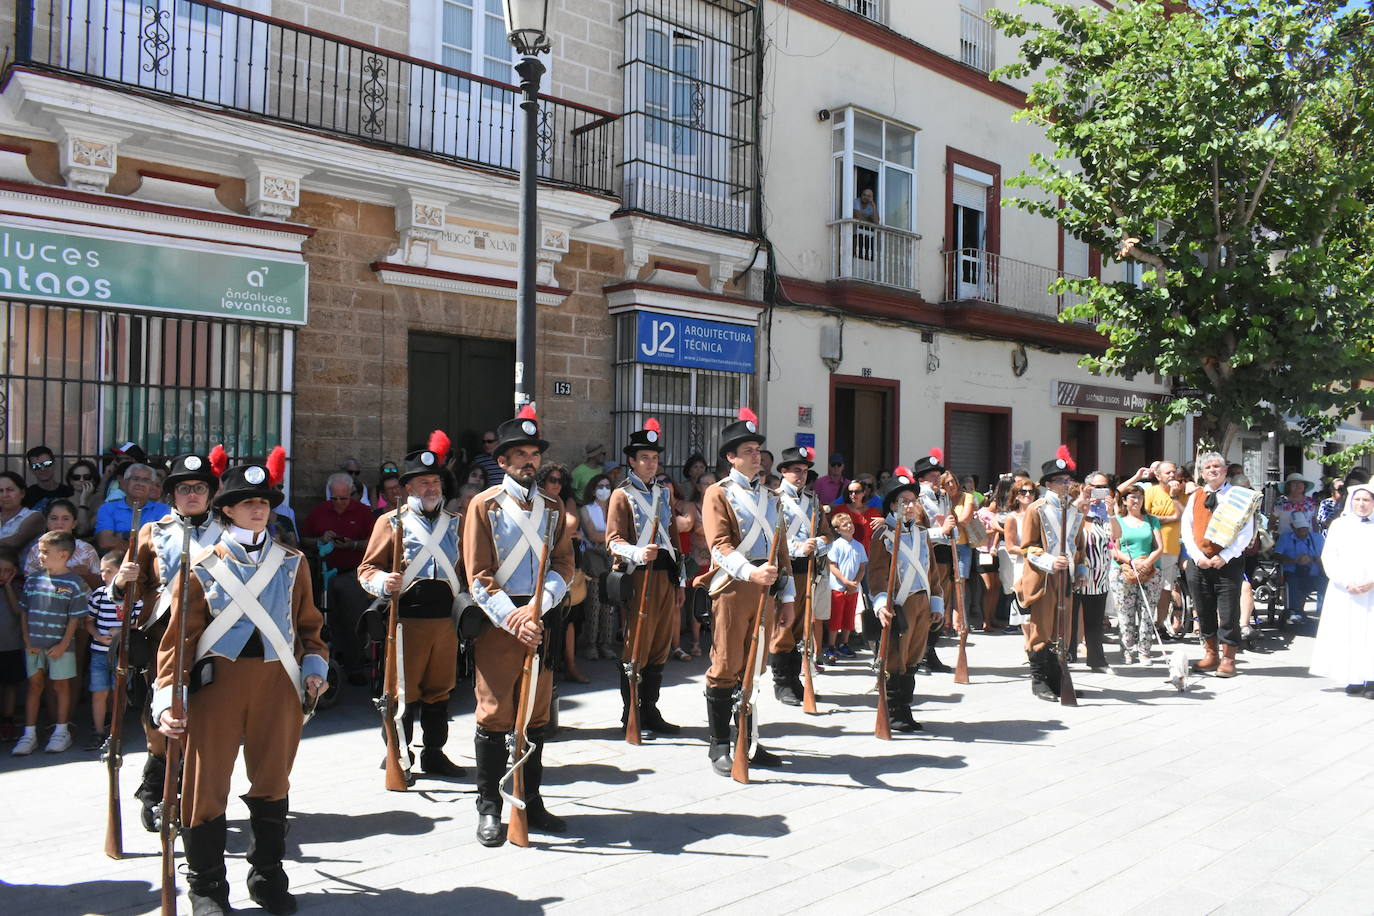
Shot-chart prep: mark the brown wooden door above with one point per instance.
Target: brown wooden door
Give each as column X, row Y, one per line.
column 462, row 385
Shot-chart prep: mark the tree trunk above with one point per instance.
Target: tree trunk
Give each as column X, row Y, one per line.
column 1213, row 433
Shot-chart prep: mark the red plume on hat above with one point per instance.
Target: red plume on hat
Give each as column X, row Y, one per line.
column 439, row 444
column 807, row 452
column 276, row 465
column 748, row 415
column 527, row 413
column 651, row 425
column 902, row 470
column 938, row 454
column 219, row 460
column 1063, row 455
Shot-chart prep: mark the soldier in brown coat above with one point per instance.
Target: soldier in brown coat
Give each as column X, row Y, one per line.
column 1052, row 537
column 739, row 518
column 650, row 551
column 503, row 537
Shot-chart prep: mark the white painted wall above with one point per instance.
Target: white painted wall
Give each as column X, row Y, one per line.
column 969, row 372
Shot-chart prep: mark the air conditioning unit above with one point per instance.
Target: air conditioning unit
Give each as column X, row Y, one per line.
column 700, row 207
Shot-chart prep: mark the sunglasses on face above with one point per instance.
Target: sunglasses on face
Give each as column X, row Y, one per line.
column 488, row 441
column 39, row 465
column 192, row 489
column 1025, row 492
column 554, row 480
column 355, row 473
column 82, row 477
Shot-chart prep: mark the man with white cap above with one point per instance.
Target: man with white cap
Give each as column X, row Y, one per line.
column 1300, row 549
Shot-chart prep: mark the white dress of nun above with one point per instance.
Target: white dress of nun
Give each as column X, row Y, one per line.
column 1344, row 649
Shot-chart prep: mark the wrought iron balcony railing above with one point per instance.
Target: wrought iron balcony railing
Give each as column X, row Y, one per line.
column 977, row 41
column 218, row 56
column 985, row 276
column 869, row 9
column 879, row 254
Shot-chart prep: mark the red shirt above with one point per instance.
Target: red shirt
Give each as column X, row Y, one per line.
column 354, row 524
column 862, row 533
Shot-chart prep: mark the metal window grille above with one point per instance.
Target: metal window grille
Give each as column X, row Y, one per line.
column 869, row 9
column 80, row 380
column 693, row 405
column 691, row 103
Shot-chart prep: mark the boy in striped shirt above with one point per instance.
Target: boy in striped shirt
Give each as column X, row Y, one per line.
column 53, row 606
column 102, row 623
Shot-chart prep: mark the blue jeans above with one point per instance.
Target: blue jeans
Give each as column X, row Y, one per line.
column 1300, row 584
column 965, row 554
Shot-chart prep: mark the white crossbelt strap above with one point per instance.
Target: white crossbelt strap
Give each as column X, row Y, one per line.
column 797, row 517
column 204, row 544
column 429, row 549
column 531, row 538
column 244, row 603
column 914, row 577
column 650, row 512
column 758, row 523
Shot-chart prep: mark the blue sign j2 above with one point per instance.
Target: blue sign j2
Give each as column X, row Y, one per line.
column 674, row 340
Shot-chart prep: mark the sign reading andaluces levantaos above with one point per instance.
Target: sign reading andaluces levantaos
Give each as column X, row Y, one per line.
column 68, row 267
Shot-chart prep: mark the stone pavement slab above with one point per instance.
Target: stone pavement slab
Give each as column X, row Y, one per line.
column 1249, row 796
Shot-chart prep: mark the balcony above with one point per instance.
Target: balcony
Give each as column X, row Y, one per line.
column 977, row 38
column 876, row 254
column 869, row 9
column 226, row 59
column 975, row 275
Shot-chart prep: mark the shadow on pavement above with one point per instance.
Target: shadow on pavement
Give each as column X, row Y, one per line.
column 603, row 774
column 354, row 897
column 665, row 833
column 865, row 772
column 82, row 897
column 307, row 827
column 1005, row 731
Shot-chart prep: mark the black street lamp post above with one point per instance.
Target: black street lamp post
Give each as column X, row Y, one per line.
column 527, row 28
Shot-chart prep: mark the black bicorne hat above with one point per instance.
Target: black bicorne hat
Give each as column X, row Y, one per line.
column 522, row 430
column 1061, row 463
column 932, row 462
column 428, row 460
column 745, row 429
column 192, row 467
column 798, row 454
column 648, row 439
column 901, row 481
column 255, row 480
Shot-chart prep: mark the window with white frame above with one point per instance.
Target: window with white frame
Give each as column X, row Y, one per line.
column 472, row 38
column 875, row 170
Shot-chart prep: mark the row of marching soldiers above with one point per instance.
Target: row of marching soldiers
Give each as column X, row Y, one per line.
column 255, row 663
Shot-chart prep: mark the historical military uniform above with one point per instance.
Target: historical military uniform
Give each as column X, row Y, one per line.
column 935, row 504
column 630, row 515
column 159, row 558
column 798, row 506
column 909, row 542
column 431, row 581
column 252, row 640
column 503, row 536
column 1050, row 525
column 739, row 519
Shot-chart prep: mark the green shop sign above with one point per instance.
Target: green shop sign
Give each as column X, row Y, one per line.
column 60, row 267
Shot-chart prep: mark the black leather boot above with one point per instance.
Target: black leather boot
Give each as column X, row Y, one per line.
column 625, row 696
column 720, row 705
column 932, row 661
column 267, row 884
column 781, row 665
column 1039, row 678
column 794, row 672
column 538, row 815
column 650, row 686
column 149, row 792
column 492, row 758
column 207, row 886
column 904, row 686
column 434, row 732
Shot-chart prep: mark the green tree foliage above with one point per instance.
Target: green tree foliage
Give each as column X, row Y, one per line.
column 1229, row 149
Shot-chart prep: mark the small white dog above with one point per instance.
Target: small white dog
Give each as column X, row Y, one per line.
column 1178, row 669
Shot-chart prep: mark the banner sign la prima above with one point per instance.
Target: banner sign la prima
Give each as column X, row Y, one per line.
column 63, row 267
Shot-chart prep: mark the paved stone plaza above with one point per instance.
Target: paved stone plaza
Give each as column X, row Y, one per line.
column 1249, row 796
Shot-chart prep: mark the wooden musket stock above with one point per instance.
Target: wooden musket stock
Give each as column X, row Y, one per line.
column 397, row 779
column 171, row 785
column 518, row 832
column 632, row 667
column 119, row 698
column 740, row 769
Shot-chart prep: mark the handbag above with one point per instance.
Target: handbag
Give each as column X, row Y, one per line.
column 595, row 560
column 577, row 591
column 1130, row 575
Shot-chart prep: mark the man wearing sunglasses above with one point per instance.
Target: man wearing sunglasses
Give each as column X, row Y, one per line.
column 191, row 481
column 485, row 460
column 47, row 483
